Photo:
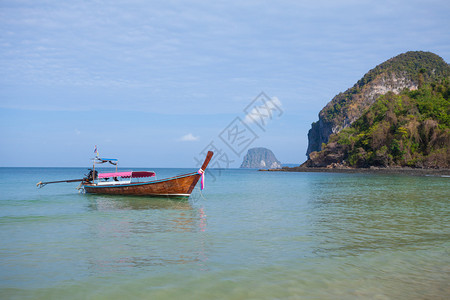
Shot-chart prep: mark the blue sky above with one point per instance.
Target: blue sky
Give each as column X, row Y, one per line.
column 155, row 82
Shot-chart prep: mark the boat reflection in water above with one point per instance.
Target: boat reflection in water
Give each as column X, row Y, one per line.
column 112, row 202
column 140, row 232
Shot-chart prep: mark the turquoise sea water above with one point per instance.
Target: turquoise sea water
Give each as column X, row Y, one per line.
column 250, row 235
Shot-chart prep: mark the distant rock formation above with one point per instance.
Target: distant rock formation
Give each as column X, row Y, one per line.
column 260, row 158
column 407, row 71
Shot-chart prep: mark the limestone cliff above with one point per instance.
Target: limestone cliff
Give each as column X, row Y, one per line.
column 260, row 158
column 407, row 71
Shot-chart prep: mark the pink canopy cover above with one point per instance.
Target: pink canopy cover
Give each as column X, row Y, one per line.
column 136, row 174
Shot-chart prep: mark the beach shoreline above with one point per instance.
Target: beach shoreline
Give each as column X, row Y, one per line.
column 371, row 170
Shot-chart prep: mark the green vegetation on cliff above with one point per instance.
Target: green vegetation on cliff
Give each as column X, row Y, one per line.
column 407, row 71
column 416, row 66
column 409, row 129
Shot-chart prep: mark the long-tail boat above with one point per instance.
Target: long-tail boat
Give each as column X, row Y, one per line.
column 129, row 183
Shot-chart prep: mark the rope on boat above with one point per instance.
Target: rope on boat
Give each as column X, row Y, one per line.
column 201, row 194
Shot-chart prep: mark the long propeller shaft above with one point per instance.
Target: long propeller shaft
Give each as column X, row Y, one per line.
column 41, row 184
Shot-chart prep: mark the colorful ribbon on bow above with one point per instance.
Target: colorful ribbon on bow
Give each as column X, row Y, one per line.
column 202, row 180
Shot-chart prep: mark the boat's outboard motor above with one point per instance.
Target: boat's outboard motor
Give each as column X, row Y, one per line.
column 91, row 175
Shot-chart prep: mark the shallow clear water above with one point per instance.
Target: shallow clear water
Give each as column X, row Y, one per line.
column 250, row 235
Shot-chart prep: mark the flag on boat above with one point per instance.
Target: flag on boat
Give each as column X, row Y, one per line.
column 96, row 151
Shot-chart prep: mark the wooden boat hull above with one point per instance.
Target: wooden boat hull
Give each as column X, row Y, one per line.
column 181, row 186
column 177, row 186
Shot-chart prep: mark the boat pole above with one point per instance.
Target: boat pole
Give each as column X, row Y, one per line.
column 93, row 171
column 41, row 184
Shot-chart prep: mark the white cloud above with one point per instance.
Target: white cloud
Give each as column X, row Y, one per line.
column 189, row 138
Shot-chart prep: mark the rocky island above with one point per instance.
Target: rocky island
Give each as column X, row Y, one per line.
column 396, row 116
column 258, row 158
